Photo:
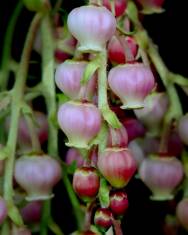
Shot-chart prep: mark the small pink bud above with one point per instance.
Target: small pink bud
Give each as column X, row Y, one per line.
column 117, row 137
column 92, row 26
column 118, row 202
column 32, row 212
column 117, row 165
column 68, row 79
column 103, row 218
column 80, row 122
column 161, row 175
column 134, row 128
column 183, row 128
column 119, row 5
column 86, row 182
column 120, row 51
column 131, row 83
column 37, row 175
column 152, row 114
column 74, row 155
column 3, row 210
column 182, row 213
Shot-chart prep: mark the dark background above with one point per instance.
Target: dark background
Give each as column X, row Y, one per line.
column 169, row 32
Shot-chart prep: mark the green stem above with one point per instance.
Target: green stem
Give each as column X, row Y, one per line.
column 73, row 198
column 175, row 109
column 49, row 84
column 50, row 98
column 102, row 81
column 7, row 46
column 107, row 113
column 33, row 134
column 17, row 99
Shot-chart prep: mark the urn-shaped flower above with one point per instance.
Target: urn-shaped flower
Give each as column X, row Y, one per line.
column 117, row 165
column 37, row 175
column 161, row 175
column 131, row 83
column 92, row 26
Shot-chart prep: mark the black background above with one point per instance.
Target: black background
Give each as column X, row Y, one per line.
column 169, row 31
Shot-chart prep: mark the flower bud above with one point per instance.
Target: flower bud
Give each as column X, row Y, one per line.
column 119, row 6
column 117, row 165
column 120, row 51
column 183, row 128
column 161, row 175
column 118, row 202
column 80, row 122
column 131, row 83
column 117, row 137
column 86, row 182
column 151, row 115
column 37, row 175
column 3, row 210
column 68, row 79
column 182, row 213
column 103, row 218
column 92, row 26
column 74, row 155
column 31, row 213
column 134, row 128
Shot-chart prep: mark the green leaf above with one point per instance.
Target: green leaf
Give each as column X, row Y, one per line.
column 101, row 138
column 111, row 117
column 62, row 98
column 14, row 214
column 71, row 168
column 4, row 153
column 54, row 227
column 132, row 12
column 104, row 193
column 90, row 70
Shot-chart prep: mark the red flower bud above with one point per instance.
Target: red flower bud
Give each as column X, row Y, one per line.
column 31, row 213
column 74, row 155
column 119, row 5
column 117, row 165
column 120, row 51
column 86, row 182
column 118, row 202
column 103, row 218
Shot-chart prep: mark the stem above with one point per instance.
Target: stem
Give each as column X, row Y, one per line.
column 7, row 46
column 102, row 81
column 33, row 135
column 175, row 109
column 16, row 105
column 48, row 83
column 73, row 198
column 50, row 98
